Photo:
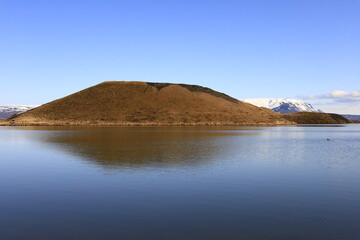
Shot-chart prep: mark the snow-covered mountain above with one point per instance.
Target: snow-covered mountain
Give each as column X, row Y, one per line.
column 282, row 105
column 7, row 111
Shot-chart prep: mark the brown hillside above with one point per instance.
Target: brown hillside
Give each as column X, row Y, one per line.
column 141, row 103
column 316, row 118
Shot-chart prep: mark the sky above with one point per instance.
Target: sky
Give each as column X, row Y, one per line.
column 302, row 49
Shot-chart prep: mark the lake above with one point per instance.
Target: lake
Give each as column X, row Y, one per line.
column 299, row 182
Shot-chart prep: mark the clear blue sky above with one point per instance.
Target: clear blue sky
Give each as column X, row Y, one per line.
column 247, row 49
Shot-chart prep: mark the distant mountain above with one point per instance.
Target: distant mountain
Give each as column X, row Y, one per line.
column 7, row 111
column 282, row 105
column 351, row 117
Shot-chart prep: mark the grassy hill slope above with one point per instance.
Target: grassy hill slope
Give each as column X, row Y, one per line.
column 141, row 103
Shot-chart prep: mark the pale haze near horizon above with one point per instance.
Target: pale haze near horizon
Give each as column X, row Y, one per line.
column 305, row 50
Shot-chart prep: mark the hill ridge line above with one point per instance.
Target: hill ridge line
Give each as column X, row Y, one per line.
column 194, row 88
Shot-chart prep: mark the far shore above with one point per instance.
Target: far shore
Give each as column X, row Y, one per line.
column 130, row 124
column 7, row 123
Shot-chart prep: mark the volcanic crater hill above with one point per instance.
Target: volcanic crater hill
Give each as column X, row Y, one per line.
column 316, row 118
column 142, row 103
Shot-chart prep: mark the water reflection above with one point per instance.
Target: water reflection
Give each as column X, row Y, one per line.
column 111, row 147
column 263, row 183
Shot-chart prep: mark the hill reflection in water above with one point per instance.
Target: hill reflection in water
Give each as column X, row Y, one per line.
column 180, row 183
column 129, row 146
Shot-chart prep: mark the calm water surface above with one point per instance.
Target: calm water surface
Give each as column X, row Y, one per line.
column 180, row 183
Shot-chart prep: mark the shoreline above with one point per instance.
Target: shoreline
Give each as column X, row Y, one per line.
column 129, row 124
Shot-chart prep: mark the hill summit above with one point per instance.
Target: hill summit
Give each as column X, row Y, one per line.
column 143, row 103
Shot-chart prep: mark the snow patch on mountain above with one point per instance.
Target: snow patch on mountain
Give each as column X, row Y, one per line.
column 7, row 111
column 282, row 105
